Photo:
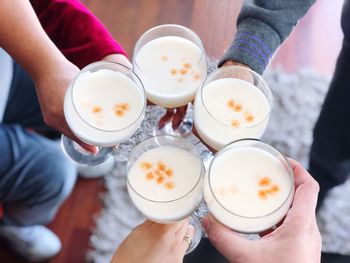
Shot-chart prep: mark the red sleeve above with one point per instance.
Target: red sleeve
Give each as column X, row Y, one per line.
column 79, row 35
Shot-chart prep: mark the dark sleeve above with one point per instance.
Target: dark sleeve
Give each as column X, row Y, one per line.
column 80, row 36
column 262, row 26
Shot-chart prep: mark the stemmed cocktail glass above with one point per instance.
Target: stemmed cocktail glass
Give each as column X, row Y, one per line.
column 171, row 62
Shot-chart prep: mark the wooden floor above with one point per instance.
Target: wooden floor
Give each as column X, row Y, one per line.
column 314, row 43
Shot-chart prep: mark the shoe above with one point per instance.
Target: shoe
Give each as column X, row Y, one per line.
column 34, row 243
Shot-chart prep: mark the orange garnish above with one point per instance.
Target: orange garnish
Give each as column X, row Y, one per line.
column 158, row 172
column 238, row 107
column 275, row 188
column 183, row 71
column 146, row 165
column 119, row 113
column 149, row 176
column 180, row 80
column 173, row 71
column 248, row 117
column 187, row 65
column 265, row 181
column 96, row 109
column 262, row 194
column 169, row 172
column 169, row 185
column 230, row 103
column 160, row 179
column 161, row 166
column 124, row 106
column 121, row 106
column 120, row 109
column 235, row 123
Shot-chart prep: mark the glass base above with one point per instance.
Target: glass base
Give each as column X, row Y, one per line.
column 196, row 223
column 96, row 171
column 81, row 156
column 183, row 130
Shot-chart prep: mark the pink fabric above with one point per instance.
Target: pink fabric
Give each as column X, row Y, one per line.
column 79, row 35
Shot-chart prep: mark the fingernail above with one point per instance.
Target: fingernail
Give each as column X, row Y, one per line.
column 206, row 223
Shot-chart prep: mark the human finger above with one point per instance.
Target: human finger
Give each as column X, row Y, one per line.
column 187, row 239
column 167, row 117
column 179, row 116
column 226, row 241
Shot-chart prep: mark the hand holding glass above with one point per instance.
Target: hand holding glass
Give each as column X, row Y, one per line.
column 165, row 181
column 103, row 106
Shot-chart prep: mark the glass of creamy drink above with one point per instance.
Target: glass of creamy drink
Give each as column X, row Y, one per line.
column 171, row 62
column 165, row 181
column 103, row 106
column 233, row 103
column 249, row 186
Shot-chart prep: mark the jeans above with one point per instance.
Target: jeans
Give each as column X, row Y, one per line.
column 35, row 175
column 330, row 151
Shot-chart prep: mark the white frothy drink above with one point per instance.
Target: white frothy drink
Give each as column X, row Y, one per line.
column 165, row 183
column 250, row 190
column 229, row 109
column 172, row 69
column 104, row 107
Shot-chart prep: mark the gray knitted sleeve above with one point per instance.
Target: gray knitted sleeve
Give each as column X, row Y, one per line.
column 262, row 26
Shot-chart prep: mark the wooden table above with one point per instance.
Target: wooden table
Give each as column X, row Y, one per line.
column 213, row 21
column 315, row 42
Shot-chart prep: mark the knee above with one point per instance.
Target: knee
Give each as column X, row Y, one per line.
column 59, row 175
column 50, row 177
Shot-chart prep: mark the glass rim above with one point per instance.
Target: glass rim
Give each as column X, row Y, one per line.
column 200, row 45
column 101, row 63
column 255, row 74
column 178, row 139
column 289, row 171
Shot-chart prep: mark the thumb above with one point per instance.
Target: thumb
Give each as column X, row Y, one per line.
column 230, row 244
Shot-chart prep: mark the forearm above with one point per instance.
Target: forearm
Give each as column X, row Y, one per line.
column 80, row 36
column 261, row 28
column 22, row 36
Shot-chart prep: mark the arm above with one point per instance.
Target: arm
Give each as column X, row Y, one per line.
column 22, row 36
column 155, row 243
column 78, row 34
column 261, row 28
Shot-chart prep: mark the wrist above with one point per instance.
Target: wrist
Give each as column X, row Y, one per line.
column 234, row 63
column 119, row 58
column 54, row 66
